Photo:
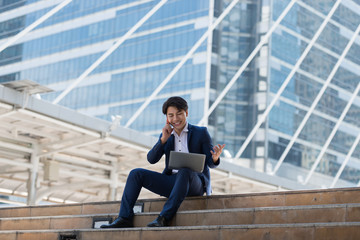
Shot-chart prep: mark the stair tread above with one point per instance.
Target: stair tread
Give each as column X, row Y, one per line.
column 269, row 199
column 235, row 216
column 277, row 208
column 274, row 231
column 246, row 226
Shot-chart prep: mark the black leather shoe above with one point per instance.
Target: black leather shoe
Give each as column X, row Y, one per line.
column 160, row 221
column 119, row 223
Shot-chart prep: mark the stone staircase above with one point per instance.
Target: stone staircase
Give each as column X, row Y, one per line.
column 314, row 214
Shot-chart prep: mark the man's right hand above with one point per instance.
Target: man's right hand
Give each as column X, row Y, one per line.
column 166, row 132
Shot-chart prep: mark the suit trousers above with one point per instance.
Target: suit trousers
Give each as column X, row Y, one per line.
column 175, row 187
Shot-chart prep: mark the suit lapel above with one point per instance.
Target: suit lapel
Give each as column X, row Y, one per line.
column 172, row 143
column 190, row 130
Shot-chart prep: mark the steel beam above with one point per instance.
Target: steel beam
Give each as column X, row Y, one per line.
column 264, row 39
column 287, row 80
column 332, row 134
column 72, row 146
column 110, row 50
column 73, row 186
column 13, row 162
column 208, row 61
column 346, row 160
column 316, row 101
column 34, row 24
column 181, row 63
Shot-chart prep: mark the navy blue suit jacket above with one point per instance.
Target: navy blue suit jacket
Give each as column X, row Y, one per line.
column 199, row 141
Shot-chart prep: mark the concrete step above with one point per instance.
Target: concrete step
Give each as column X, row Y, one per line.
column 308, row 231
column 234, row 216
column 285, row 198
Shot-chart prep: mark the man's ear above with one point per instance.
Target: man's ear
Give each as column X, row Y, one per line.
column 187, row 113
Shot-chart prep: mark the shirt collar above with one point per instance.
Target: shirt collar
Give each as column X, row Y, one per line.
column 186, row 129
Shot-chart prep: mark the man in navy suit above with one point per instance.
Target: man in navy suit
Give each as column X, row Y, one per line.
column 177, row 135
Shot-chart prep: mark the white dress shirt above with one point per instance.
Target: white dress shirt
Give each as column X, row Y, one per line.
column 181, row 144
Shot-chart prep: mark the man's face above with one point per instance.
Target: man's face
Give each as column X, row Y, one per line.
column 177, row 118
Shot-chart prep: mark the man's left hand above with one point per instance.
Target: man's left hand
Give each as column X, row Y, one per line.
column 217, row 150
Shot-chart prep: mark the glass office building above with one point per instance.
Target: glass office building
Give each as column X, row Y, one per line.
column 59, row 50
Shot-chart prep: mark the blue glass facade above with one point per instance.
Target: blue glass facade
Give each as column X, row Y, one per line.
column 64, row 46
column 287, row 45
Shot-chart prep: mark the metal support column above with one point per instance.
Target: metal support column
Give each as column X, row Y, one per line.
column 33, row 177
column 114, row 182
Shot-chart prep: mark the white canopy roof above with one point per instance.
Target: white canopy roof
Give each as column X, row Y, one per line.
column 52, row 153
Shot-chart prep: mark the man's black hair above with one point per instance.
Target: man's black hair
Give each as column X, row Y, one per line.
column 177, row 102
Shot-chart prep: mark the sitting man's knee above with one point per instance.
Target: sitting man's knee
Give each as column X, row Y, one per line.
column 185, row 172
column 135, row 172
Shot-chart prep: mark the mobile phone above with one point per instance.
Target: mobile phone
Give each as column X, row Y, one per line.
column 167, row 122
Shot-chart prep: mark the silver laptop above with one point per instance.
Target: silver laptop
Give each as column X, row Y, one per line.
column 194, row 161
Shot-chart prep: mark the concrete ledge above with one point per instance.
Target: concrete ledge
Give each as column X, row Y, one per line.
column 313, row 231
column 250, row 200
column 217, row 217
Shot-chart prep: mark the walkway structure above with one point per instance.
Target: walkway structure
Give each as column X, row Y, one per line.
column 49, row 153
